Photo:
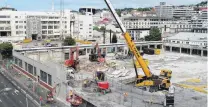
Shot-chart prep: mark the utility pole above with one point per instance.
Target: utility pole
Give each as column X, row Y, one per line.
column 110, row 36
column 104, row 35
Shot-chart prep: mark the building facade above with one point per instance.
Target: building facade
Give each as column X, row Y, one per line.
column 82, row 26
column 44, row 25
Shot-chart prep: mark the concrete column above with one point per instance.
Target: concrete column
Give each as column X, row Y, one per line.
column 148, row 46
column 191, row 51
column 201, row 52
column 155, row 46
column 140, row 48
column 116, row 49
column 180, row 49
column 171, row 49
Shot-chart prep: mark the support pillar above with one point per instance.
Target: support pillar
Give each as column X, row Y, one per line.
column 202, row 52
column 191, row 51
column 148, row 46
column 115, row 48
column 180, row 49
column 140, row 48
column 171, row 49
column 155, row 46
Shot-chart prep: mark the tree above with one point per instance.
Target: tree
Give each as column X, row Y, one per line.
column 68, row 41
column 114, row 39
column 102, row 28
column 154, row 35
column 6, row 50
column 95, row 28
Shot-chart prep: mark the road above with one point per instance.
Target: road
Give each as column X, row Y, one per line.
column 13, row 98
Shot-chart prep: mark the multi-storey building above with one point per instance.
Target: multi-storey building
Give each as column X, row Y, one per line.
column 177, row 12
column 139, row 27
column 184, row 12
column 82, row 26
column 164, row 10
column 44, row 25
column 38, row 25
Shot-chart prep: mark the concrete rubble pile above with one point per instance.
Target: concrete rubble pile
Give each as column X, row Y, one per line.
column 116, row 73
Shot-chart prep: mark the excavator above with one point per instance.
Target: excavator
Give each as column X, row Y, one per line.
column 73, row 62
column 96, row 54
column 149, row 80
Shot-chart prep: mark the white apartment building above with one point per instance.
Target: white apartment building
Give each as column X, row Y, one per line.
column 43, row 25
column 184, row 12
column 139, row 27
column 178, row 12
column 82, row 26
column 164, row 10
column 38, row 25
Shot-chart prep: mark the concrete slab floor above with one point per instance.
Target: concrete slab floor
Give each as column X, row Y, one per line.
column 184, row 67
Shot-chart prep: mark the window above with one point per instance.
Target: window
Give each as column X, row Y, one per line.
column 26, row 66
column 44, row 27
column 16, row 16
column 56, row 27
column 16, row 21
column 24, row 21
column 50, row 27
column 16, row 61
column 35, row 73
column 49, row 79
column 80, row 28
column 16, row 27
column 50, row 32
column 66, row 56
column 187, row 42
column 20, row 63
column 43, row 76
column 81, row 24
column 30, row 68
column 90, row 24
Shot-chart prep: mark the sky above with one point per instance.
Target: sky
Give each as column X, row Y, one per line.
column 46, row 5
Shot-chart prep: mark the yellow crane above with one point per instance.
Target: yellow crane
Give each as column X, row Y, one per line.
column 149, row 80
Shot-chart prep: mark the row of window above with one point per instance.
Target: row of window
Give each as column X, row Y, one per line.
column 20, row 21
column 2, row 16
column 47, row 78
column 187, row 42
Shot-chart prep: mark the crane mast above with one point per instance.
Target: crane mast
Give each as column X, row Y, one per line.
column 129, row 41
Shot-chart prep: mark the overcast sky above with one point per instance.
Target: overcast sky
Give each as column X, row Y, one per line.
column 40, row 5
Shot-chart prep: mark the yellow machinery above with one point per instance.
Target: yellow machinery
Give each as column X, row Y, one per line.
column 153, row 82
column 27, row 40
column 84, row 42
column 166, row 73
column 138, row 65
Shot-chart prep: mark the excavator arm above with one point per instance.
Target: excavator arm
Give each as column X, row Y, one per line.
column 129, row 41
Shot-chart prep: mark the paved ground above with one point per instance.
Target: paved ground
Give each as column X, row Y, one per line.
column 13, row 98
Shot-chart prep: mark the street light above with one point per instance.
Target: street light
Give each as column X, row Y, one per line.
column 5, row 90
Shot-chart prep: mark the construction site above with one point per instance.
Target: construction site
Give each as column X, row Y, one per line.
column 117, row 69
column 126, row 74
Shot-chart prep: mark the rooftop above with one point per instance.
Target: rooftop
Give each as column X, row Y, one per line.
column 190, row 36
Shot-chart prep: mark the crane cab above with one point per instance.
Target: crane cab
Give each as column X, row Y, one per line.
column 166, row 73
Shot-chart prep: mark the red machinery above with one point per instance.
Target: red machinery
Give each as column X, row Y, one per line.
column 50, row 97
column 71, row 62
column 103, row 87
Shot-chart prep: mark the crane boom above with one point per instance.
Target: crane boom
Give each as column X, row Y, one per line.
column 129, row 41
